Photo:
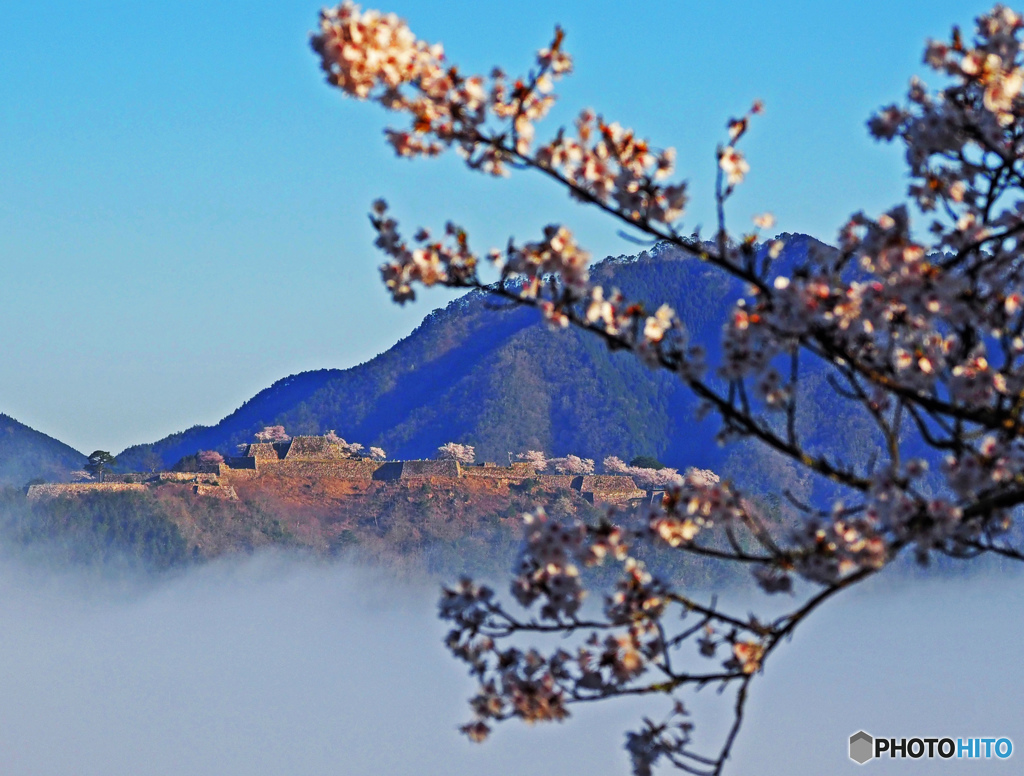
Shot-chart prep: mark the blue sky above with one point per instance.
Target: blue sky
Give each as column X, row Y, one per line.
column 182, row 199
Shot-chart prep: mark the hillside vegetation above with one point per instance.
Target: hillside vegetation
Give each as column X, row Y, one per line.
column 27, row 454
column 442, row 528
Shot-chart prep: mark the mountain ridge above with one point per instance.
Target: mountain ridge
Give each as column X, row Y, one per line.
column 501, row 380
column 27, row 454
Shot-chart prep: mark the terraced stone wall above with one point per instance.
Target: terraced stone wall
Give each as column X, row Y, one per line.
column 55, row 490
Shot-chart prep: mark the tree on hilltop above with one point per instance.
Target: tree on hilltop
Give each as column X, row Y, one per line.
column 647, row 477
column 537, row 459
column 209, row 458
column 918, row 333
column 99, row 463
column 572, row 464
column 353, row 449
column 453, row 451
column 272, row 434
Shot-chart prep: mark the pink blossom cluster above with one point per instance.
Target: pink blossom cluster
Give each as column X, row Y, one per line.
column 570, row 464
column 626, row 652
column 369, row 55
column 698, row 502
column 659, row 339
column 354, row 449
column 646, row 478
column 272, row 434
column 608, row 164
column 637, row 595
column 547, row 566
column 453, row 451
column 536, row 458
column 835, row 549
column 446, row 262
column 491, row 120
column 556, row 254
column 450, row 262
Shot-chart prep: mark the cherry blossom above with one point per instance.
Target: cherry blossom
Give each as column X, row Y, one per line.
column 453, row 451
column 536, row 458
column 914, row 320
column 272, row 434
column 572, row 464
column 350, row 449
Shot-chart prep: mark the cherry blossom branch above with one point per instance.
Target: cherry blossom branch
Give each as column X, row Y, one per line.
column 932, row 329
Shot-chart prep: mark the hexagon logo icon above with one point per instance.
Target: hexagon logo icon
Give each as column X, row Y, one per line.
column 862, row 747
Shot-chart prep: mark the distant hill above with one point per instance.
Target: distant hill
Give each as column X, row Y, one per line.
column 496, row 377
column 27, row 454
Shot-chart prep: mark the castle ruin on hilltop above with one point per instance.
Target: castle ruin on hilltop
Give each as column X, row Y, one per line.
column 319, row 457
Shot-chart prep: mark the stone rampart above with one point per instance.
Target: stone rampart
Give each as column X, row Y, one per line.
column 556, row 481
column 601, row 489
column 359, row 469
column 608, row 483
column 236, row 475
column 312, row 457
column 56, row 490
column 260, row 450
column 142, row 477
column 207, row 477
column 129, row 477
column 314, row 448
column 389, row 470
column 514, row 472
column 421, row 470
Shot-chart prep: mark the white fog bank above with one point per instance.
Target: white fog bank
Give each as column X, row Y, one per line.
column 273, row 665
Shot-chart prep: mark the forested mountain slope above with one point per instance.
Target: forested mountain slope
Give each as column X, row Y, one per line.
column 27, row 454
column 496, row 377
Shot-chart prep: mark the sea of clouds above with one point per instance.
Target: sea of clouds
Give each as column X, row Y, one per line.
column 275, row 664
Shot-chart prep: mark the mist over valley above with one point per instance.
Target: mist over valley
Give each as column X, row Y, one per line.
column 277, row 664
